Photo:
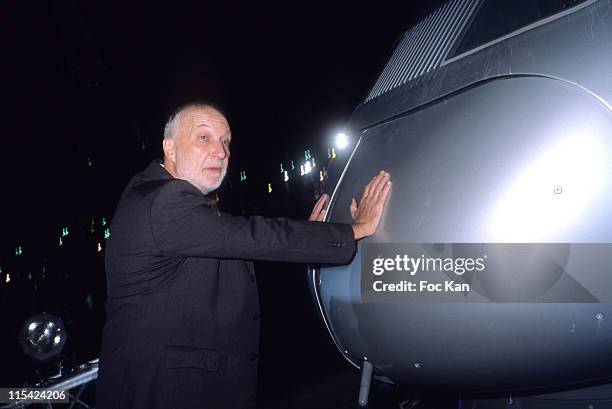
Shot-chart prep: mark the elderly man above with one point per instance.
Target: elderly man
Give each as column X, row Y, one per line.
column 182, row 309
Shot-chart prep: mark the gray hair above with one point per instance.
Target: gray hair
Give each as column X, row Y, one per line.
column 173, row 120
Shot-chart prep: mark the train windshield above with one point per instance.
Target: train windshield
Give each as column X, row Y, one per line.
column 496, row 18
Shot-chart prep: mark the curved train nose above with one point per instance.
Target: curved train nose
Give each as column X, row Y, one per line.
column 512, row 160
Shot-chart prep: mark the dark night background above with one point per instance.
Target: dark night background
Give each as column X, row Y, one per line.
column 87, row 88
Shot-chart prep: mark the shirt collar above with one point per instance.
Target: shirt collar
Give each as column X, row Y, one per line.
column 156, row 170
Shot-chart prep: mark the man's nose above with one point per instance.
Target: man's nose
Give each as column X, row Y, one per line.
column 219, row 150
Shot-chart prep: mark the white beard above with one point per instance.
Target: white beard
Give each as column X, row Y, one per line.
column 207, row 189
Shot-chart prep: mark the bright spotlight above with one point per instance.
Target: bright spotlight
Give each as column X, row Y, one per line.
column 341, row 141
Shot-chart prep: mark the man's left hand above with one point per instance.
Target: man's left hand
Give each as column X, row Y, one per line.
column 320, row 208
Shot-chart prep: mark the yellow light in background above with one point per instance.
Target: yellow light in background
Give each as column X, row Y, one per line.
column 286, row 178
column 553, row 192
column 321, row 175
column 8, row 278
column 99, row 247
column 269, row 187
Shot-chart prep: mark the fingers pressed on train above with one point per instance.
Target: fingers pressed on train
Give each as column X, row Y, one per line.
column 380, row 184
column 321, row 203
column 353, row 208
column 367, row 191
column 385, row 192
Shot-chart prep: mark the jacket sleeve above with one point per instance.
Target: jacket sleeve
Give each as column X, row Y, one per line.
column 183, row 225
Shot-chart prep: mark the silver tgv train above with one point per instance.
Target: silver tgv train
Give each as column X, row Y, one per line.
column 494, row 119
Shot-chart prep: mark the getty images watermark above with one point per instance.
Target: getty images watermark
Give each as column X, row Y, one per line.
column 486, row 272
column 413, row 265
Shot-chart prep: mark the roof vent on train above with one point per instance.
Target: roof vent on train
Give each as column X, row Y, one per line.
column 424, row 46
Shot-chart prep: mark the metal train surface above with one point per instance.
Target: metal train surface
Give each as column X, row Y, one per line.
column 488, row 140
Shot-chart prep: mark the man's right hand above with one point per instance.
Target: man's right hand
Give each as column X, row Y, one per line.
column 366, row 216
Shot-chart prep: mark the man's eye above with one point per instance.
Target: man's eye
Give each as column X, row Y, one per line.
column 226, row 142
column 203, row 137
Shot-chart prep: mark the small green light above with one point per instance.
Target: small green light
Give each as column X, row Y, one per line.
column 281, row 167
column 89, row 301
column 61, row 241
column 18, row 251
column 307, row 154
column 64, row 231
column 292, row 166
column 106, row 233
column 104, row 221
column 243, row 176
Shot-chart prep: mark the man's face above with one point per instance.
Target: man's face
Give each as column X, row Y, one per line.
column 199, row 150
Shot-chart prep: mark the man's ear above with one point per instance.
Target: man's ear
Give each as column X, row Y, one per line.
column 169, row 149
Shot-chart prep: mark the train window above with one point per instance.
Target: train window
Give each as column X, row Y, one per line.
column 496, row 18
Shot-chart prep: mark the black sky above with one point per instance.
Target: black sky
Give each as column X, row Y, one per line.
column 99, row 78
column 85, row 79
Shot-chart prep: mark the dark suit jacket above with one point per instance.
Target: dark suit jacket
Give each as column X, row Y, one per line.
column 182, row 309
